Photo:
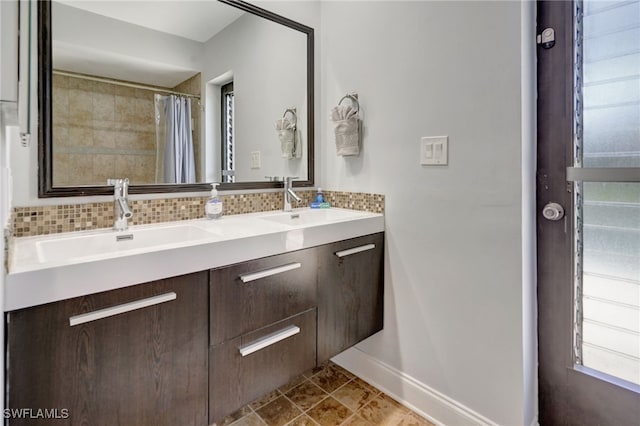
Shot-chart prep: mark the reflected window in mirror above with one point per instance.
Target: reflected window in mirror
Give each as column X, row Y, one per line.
column 226, row 94
column 99, row 86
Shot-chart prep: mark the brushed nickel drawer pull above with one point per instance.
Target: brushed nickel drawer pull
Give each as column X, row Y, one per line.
column 355, row 250
column 120, row 309
column 268, row 340
column 268, row 272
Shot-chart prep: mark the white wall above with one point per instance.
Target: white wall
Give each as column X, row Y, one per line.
column 457, row 309
column 267, row 62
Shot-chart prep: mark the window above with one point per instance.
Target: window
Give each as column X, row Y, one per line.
column 608, row 209
column 226, row 92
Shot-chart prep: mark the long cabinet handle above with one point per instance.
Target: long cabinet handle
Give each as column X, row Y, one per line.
column 268, row 340
column 268, row 272
column 120, row 309
column 355, row 250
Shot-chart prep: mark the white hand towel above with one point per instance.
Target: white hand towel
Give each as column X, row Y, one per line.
column 287, row 135
column 347, row 129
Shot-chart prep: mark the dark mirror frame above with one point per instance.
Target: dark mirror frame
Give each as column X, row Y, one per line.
column 45, row 135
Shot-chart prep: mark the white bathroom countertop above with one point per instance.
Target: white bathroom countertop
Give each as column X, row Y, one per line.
column 49, row 268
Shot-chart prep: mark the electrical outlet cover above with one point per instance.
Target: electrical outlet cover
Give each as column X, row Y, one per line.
column 255, row 160
column 434, row 150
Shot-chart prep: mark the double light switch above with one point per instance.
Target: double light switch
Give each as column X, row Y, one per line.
column 433, row 150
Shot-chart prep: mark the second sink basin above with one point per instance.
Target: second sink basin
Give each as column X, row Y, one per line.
column 108, row 242
column 313, row 216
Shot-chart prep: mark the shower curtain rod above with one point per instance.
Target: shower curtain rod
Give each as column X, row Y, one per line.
column 122, row 83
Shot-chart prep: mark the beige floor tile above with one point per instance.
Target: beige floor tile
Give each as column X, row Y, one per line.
column 344, row 371
column 367, row 386
column 278, row 412
column 412, row 419
column 356, row 420
column 329, row 412
column 330, row 379
column 306, row 395
column 383, row 411
column 302, row 420
column 354, row 394
column 265, row 399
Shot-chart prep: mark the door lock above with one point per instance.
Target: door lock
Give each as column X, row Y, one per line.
column 553, row 211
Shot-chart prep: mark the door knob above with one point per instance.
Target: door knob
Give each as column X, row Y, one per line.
column 553, row 211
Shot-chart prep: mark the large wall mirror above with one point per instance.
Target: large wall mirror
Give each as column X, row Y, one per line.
column 172, row 95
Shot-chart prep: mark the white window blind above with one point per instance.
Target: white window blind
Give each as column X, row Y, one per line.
column 608, row 213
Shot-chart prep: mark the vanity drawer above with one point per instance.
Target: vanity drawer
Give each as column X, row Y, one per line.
column 273, row 356
column 250, row 295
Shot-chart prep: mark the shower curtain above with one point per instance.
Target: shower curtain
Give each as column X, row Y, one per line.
column 175, row 161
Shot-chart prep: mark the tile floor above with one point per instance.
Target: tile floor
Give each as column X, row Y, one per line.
column 327, row 396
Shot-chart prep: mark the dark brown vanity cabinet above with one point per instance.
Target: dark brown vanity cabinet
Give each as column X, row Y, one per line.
column 193, row 349
column 350, row 293
column 263, row 327
column 144, row 366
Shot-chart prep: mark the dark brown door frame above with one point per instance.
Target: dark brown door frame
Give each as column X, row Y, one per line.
column 567, row 396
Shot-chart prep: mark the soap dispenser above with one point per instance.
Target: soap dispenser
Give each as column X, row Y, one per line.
column 213, row 206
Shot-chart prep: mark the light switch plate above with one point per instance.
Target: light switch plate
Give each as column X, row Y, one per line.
column 256, row 163
column 434, row 150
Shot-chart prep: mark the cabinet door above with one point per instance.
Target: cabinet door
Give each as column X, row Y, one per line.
column 249, row 366
column 350, row 293
column 147, row 366
column 250, row 295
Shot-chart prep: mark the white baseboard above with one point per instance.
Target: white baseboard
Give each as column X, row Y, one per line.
column 428, row 402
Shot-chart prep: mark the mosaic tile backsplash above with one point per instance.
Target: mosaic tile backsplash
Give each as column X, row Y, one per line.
column 42, row 220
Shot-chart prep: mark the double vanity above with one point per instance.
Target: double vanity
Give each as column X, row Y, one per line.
column 186, row 322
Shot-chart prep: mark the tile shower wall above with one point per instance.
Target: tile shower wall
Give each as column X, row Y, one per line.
column 102, row 130
column 95, row 124
column 40, row 220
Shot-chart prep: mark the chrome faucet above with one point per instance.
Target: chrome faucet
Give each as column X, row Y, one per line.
column 121, row 209
column 289, row 193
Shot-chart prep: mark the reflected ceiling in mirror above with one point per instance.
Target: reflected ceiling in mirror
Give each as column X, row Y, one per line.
column 119, row 81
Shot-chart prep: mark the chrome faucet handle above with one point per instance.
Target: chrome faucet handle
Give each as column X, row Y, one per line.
column 117, row 186
column 125, row 187
column 122, row 210
column 289, row 179
column 119, row 183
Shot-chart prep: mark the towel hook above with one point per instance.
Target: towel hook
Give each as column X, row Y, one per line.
column 353, row 97
column 291, row 110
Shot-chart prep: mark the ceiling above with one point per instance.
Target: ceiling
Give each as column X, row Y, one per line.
column 195, row 20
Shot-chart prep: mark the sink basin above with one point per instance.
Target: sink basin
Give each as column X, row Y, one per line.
column 313, row 216
column 110, row 242
column 238, row 227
